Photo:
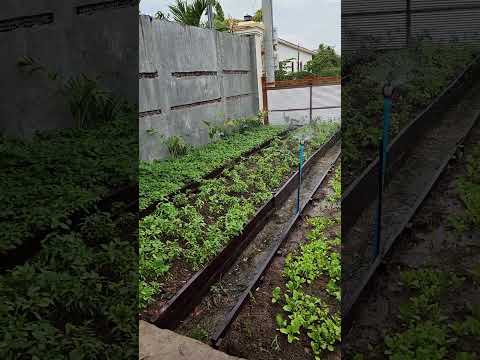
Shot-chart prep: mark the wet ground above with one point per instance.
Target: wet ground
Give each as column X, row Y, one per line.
column 223, row 295
column 428, row 242
column 254, row 334
column 409, row 186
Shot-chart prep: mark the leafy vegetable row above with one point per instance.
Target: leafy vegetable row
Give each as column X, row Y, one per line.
column 77, row 298
column 468, row 189
column 162, row 178
column 306, row 312
column 194, row 227
column 427, row 331
column 46, row 179
column 419, row 74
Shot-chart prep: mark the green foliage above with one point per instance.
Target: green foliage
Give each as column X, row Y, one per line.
column 420, row 74
column 258, row 17
column 159, row 179
column 425, row 341
column 427, row 334
column 55, row 174
column 75, row 299
column 276, row 295
column 232, row 126
column 188, row 14
column 177, row 146
column 337, row 186
column 468, row 189
column 89, row 104
column 326, row 59
column 305, row 312
column 194, row 227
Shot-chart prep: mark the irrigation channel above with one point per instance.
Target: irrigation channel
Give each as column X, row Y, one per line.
column 418, row 156
column 224, row 300
column 434, row 251
column 254, row 248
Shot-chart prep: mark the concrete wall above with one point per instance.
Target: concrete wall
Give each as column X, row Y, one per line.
column 189, row 75
column 69, row 37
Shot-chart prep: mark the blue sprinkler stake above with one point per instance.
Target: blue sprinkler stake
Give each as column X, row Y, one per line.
column 300, row 170
column 387, row 108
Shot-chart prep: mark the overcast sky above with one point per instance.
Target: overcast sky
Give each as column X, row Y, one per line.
column 309, row 22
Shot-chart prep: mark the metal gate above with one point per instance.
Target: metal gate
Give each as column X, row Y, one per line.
column 298, row 102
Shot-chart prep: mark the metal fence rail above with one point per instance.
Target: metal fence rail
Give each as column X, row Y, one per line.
column 394, row 24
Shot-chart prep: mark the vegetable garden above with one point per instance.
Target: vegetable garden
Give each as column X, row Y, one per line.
column 205, row 210
column 419, row 74
column 68, row 253
column 303, row 286
column 435, row 108
column 199, row 223
column 428, row 317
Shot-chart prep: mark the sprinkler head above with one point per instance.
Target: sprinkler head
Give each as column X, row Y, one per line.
column 388, row 90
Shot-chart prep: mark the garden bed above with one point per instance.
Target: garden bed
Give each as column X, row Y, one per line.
column 363, row 189
column 420, row 74
column 48, row 179
column 160, row 179
column 409, row 186
column 215, row 214
column 225, row 299
column 75, row 298
column 299, row 293
column 417, row 292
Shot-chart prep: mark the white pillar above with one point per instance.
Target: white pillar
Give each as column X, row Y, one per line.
column 268, row 40
column 257, row 30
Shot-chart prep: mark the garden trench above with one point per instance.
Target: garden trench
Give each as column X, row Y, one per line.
column 254, row 332
column 430, row 242
column 188, row 293
column 225, row 293
column 410, row 183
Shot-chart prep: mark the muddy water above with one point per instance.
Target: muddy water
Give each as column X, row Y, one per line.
column 224, row 294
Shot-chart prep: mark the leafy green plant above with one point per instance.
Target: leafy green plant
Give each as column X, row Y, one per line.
column 92, row 162
column 337, row 186
column 468, row 189
column 194, row 227
column 177, row 146
column 305, row 312
column 158, row 179
column 420, row 73
column 89, row 104
column 75, row 298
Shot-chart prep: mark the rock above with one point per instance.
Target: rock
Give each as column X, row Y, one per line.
column 161, row 344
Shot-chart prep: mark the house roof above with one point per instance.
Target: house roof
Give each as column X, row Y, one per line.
column 295, row 46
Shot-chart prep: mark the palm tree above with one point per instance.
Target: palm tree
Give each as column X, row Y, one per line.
column 191, row 14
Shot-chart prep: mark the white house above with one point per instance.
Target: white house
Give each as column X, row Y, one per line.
column 297, row 55
column 283, row 49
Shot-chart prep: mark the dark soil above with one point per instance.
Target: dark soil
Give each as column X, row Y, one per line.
column 429, row 241
column 410, row 183
column 253, row 334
